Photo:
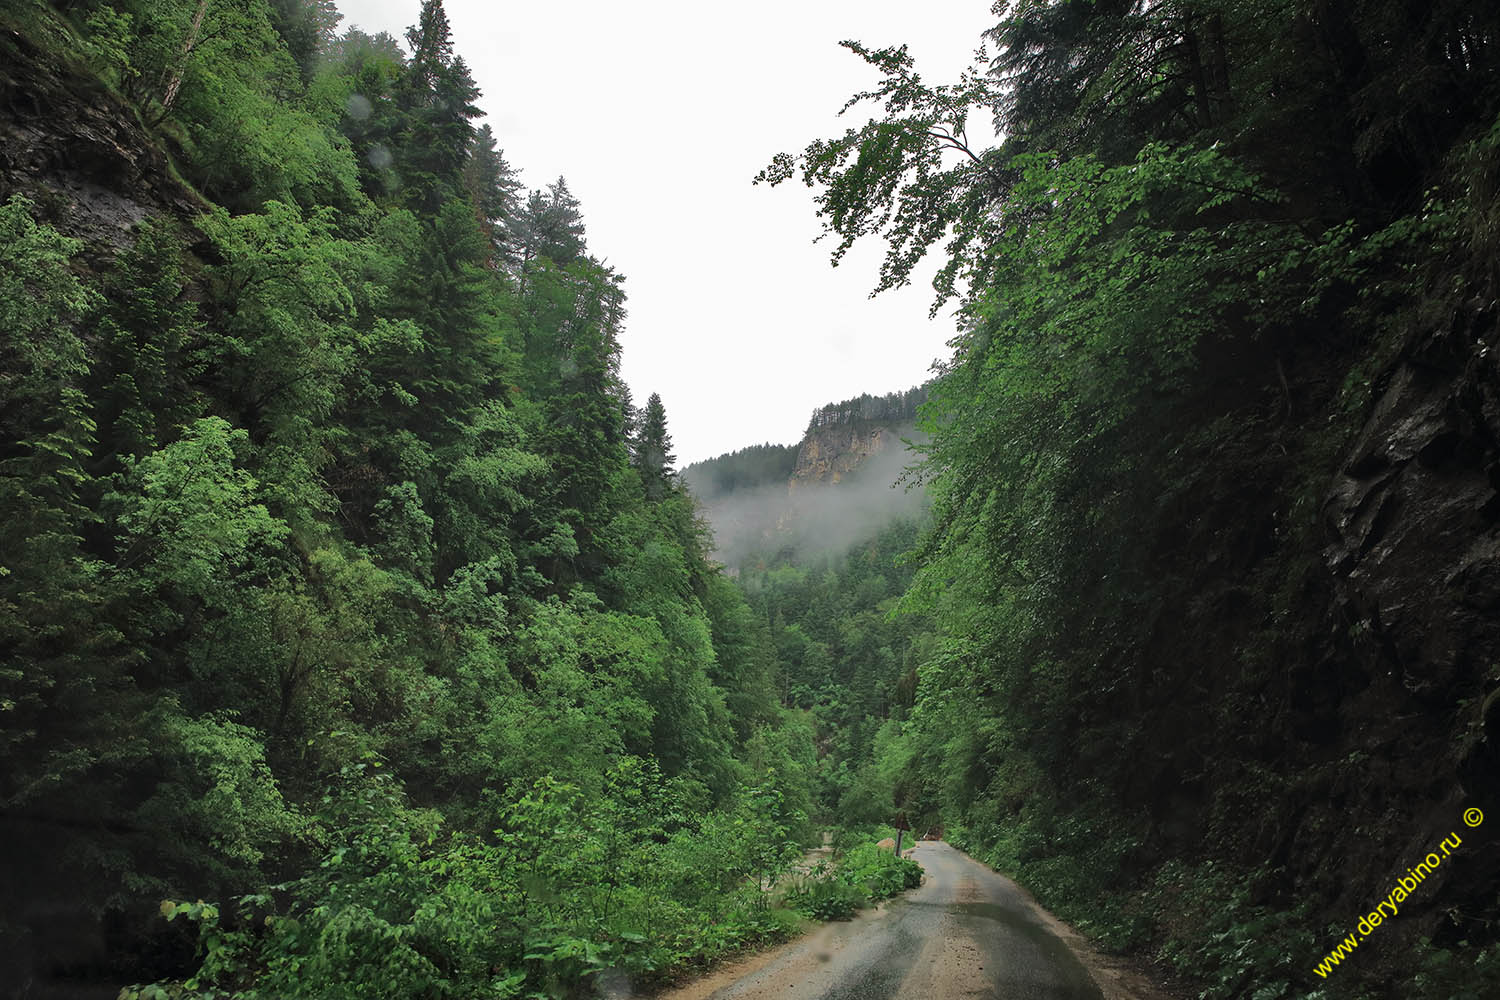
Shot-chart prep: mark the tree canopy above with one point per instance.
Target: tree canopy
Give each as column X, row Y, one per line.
column 347, row 592
column 1205, row 241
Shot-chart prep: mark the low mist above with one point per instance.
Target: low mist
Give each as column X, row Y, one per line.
column 813, row 517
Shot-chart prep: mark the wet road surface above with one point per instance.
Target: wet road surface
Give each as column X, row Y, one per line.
column 966, row 934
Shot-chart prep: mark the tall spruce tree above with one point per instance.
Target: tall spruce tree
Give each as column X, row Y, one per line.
column 552, row 226
column 437, row 97
column 495, row 188
column 652, row 452
column 307, row 27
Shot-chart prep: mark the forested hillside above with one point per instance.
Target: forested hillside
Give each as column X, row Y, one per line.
column 745, row 469
column 344, row 588
column 844, row 658
column 820, row 560
column 1213, row 561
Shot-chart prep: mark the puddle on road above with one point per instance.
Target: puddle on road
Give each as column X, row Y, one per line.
column 1010, row 917
column 1053, row 950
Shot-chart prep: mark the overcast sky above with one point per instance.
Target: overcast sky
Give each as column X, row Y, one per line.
column 660, row 113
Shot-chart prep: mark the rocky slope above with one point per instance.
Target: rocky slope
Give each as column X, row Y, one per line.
column 830, row 454
column 79, row 152
column 1335, row 573
column 1413, row 558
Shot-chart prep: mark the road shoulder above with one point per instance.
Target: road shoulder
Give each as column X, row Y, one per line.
column 799, row 956
column 1118, row 977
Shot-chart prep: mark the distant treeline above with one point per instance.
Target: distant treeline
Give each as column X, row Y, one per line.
column 892, row 406
column 749, row 467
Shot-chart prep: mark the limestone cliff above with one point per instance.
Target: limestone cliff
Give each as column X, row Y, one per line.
column 829, row 454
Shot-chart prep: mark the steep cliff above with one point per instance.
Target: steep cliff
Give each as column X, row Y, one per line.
column 830, row 454
column 1398, row 703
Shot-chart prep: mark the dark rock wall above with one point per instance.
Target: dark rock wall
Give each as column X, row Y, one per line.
column 1413, row 526
column 78, row 152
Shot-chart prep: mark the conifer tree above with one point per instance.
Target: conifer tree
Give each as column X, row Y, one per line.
column 437, row 96
column 653, row 456
column 307, row 27
column 552, row 226
column 495, row 189
column 431, row 42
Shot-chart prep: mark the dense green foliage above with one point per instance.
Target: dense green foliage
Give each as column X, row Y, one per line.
column 1205, row 230
column 880, row 874
column 843, row 657
column 865, row 873
column 345, row 588
column 572, row 885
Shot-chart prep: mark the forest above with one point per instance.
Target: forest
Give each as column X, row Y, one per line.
column 357, row 629
column 892, row 408
column 745, row 468
column 359, row 635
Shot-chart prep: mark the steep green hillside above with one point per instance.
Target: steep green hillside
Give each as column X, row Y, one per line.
column 1214, row 471
column 343, row 586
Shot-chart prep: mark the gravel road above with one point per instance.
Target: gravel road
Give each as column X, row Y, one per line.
column 966, row 933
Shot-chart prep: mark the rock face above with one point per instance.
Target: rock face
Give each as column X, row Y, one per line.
column 1412, row 519
column 1362, row 653
column 1413, row 527
column 831, row 453
column 72, row 148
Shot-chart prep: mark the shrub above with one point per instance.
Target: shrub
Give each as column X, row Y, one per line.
column 826, row 897
column 880, row 874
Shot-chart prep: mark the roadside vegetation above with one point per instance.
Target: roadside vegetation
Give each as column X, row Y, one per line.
column 858, row 872
column 1212, row 465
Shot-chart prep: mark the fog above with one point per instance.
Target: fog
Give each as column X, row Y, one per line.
column 814, row 518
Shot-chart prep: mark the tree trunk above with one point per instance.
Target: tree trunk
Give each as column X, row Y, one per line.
column 174, row 82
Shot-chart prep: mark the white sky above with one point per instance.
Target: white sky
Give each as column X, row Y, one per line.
column 659, row 113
